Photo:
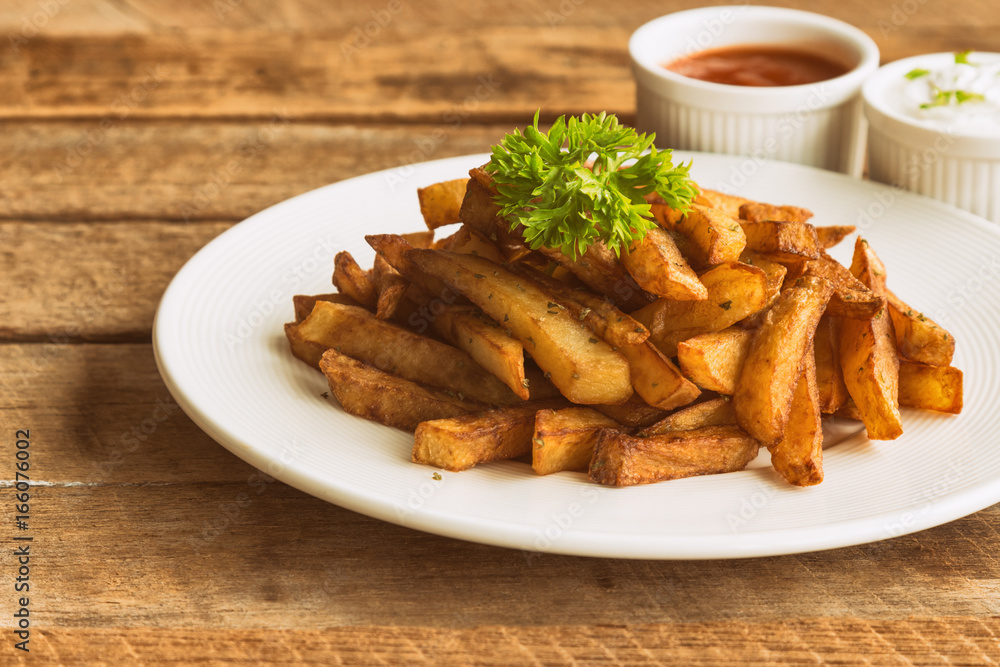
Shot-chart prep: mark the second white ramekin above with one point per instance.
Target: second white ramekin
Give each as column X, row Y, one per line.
column 816, row 124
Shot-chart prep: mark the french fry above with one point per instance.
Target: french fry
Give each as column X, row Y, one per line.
column 713, row 361
column 303, row 303
column 798, row 455
column 714, row 412
column 783, row 241
column 868, row 355
column 850, row 298
column 735, row 290
column 624, row 460
column 468, row 242
column 369, row 393
column 633, row 413
column 829, row 376
column 764, row 392
column 461, row 442
column 930, row 387
column 584, row 368
column 715, row 237
column 352, row 280
column 441, row 202
column 600, row 270
column 482, row 215
column 359, row 334
column 656, row 379
column 919, row 338
column 831, row 235
column 565, row 439
column 660, row 268
column 727, row 204
column 759, row 212
column 390, row 287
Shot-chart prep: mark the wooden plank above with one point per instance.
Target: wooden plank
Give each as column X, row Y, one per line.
column 919, row 641
column 91, row 281
column 177, row 170
column 100, row 414
column 258, row 554
column 490, row 73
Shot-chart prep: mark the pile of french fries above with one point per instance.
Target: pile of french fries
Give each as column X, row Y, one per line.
column 725, row 329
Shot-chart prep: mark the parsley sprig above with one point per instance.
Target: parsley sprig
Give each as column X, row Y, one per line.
column 548, row 187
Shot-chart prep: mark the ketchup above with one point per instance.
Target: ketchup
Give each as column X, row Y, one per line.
column 757, row 65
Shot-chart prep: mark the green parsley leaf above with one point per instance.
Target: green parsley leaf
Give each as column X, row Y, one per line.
column 547, row 189
column 962, row 57
column 916, row 73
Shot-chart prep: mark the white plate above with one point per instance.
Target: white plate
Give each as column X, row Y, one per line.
column 220, row 348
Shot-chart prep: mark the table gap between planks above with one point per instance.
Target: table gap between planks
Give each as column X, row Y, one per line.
column 132, row 132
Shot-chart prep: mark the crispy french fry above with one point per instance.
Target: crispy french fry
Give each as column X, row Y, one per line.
column 303, row 303
column 656, row 379
column 798, row 455
column 358, row 334
column 831, row 235
column 633, row 413
column 660, row 268
column 773, row 365
column 565, row 439
column 758, row 212
column 930, row 387
column 461, row 442
column 713, row 361
column 786, row 241
column 354, row 281
column 584, row 368
column 369, row 393
column 850, row 298
column 919, row 338
column 735, row 290
column 829, row 376
column 714, row 412
column 468, row 242
column 482, row 215
column 715, row 236
column 441, row 202
column 390, row 287
column 624, row 460
column 600, row 270
column 727, row 204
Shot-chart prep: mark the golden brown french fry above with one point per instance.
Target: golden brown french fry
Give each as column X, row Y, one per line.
column 468, row 242
column 798, row 455
column 918, row 337
column 727, row 204
column 660, row 268
column 773, row 365
column 461, row 442
column 624, row 460
column 715, row 237
column 598, row 313
column 369, row 393
column 830, row 235
column 758, row 212
column 565, row 439
column 358, row 334
column 584, row 368
column 390, row 287
column 354, row 281
column 713, row 361
column 633, row 413
column 735, row 290
column 868, row 354
column 829, row 376
column 714, row 412
column 775, row 272
column 303, row 303
column 930, row 387
column 783, row 241
column 482, row 215
column 600, row 270
column 656, row 379
column 441, row 202
column 850, row 298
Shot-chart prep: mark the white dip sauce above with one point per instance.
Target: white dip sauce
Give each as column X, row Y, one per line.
column 957, row 97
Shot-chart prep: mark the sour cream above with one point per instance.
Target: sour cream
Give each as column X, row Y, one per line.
column 954, row 97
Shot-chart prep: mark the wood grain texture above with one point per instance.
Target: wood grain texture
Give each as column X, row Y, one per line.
column 916, row 641
column 182, row 171
column 159, row 61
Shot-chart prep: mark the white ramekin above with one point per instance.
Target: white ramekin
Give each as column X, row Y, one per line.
column 952, row 165
column 816, row 124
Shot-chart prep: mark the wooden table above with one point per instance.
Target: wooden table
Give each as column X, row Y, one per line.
column 132, row 134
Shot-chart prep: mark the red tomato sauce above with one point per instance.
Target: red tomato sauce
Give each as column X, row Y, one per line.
column 757, row 65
